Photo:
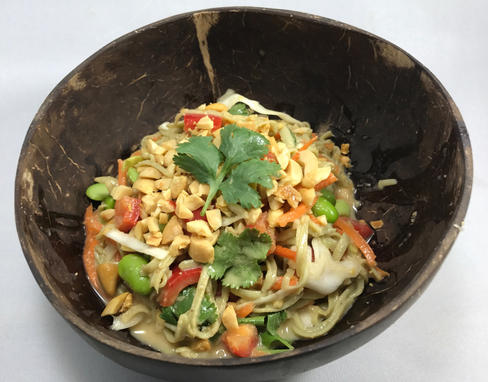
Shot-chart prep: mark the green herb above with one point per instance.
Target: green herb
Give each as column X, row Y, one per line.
column 237, row 158
column 254, row 320
column 237, row 258
column 208, row 310
column 270, row 338
column 239, row 109
column 275, row 320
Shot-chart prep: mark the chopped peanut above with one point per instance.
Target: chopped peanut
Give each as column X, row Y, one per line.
column 204, row 123
column 149, row 203
column 153, row 238
column 178, row 185
column 274, row 203
column 193, row 202
column 345, row 148
column 140, row 229
column 214, row 218
column 180, row 242
column 108, row 275
column 253, row 215
column 199, row 227
column 308, row 195
column 181, row 210
column 146, row 186
column 216, row 106
column 167, row 206
column 154, row 148
column 229, row 318
column 376, row 224
column 107, row 214
column 118, row 304
column 171, row 230
column 163, row 184
column 282, row 154
column 273, row 216
column 290, row 194
column 201, row 250
column 120, row 191
column 294, row 174
column 168, row 158
column 310, row 164
column 152, row 224
column 148, row 172
column 163, row 218
column 198, row 188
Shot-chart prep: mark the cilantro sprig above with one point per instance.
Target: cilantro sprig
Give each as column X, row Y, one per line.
column 237, row 258
column 232, row 167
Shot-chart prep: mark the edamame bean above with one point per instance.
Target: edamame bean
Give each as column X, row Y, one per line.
column 130, row 271
column 97, row 191
column 132, row 174
column 342, row 207
column 329, row 195
column 132, row 161
column 324, row 207
column 108, row 202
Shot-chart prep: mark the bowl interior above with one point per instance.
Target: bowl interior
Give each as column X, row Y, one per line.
column 398, row 119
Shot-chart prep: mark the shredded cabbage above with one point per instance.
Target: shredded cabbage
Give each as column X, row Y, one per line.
column 138, row 246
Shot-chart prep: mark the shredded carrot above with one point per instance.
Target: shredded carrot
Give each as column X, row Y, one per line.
column 279, row 280
column 245, row 310
column 122, row 175
column 287, row 253
column 326, row 182
column 92, row 229
column 305, row 146
column 136, row 153
column 216, row 106
column 293, row 214
column 357, row 239
column 315, row 220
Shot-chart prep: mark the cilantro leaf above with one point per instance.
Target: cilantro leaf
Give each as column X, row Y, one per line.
column 239, row 144
column 275, row 320
column 237, row 157
column 239, row 109
column 237, row 258
column 200, row 157
column 208, row 310
column 275, row 343
column 236, row 188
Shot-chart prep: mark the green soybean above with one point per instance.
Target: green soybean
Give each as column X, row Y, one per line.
column 329, row 195
column 342, row 207
column 97, row 191
column 108, row 203
column 130, row 271
column 324, row 207
column 132, row 174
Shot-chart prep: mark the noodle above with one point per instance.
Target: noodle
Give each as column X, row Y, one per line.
column 201, row 261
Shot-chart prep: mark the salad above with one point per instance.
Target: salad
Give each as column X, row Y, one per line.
column 230, row 232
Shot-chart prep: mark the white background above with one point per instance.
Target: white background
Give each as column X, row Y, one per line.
column 443, row 337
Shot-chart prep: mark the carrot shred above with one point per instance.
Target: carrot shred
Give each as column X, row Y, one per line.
column 305, row 146
column 326, row 182
column 315, row 220
column 245, row 310
column 122, row 175
column 216, row 106
column 279, row 280
column 293, row 214
column 136, row 153
column 287, row 253
column 357, row 239
column 92, row 229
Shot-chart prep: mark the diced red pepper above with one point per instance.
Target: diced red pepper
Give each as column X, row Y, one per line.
column 197, row 215
column 178, row 281
column 127, row 212
column 363, row 228
column 191, row 119
column 242, row 340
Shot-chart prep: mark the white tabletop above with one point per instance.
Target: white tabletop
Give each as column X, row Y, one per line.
column 443, row 337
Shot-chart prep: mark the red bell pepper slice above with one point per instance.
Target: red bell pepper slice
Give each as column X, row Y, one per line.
column 197, row 216
column 127, row 212
column 178, row 281
column 191, row 119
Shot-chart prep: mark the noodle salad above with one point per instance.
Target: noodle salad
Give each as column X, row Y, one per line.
column 231, row 232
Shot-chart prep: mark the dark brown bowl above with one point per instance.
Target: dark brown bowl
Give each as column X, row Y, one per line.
column 400, row 121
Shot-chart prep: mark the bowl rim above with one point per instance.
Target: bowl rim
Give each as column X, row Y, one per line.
column 412, row 290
